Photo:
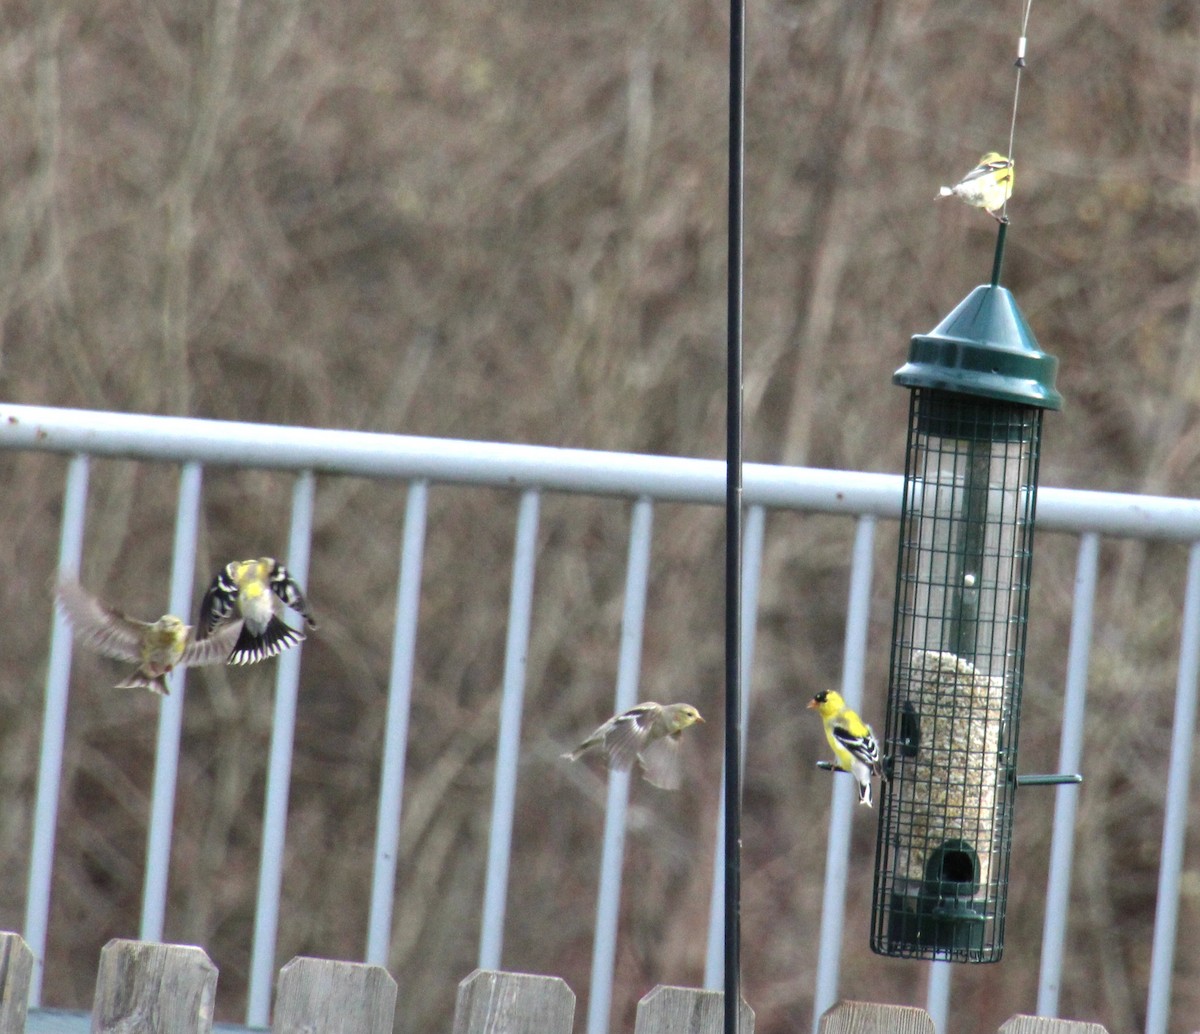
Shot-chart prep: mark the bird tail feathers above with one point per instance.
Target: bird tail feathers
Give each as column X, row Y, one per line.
column 864, row 793
column 273, row 639
column 137, row 680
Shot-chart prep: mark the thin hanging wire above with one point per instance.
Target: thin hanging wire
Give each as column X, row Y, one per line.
column 1012, row 137
column 1019, row 64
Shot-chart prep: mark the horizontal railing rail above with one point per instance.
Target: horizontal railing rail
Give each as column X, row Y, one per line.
column 506, row 465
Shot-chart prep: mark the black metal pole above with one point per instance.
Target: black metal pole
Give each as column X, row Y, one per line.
column 998, row 258
column 733, row 525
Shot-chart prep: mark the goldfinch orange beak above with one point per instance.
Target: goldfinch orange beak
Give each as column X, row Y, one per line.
column 812, row 705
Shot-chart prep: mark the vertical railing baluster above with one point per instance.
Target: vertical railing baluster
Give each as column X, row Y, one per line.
column 937, row 993
column 1175, row 820
column 170, row 713
column 753, row 535
column 842, row 808
column 509, row 737
column 279, row 771
column 54, row 728
column 1062, row 845
column 395, row 737
column 629, row 662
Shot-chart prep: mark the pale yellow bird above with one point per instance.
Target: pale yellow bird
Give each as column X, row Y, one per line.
column 156, row 647
column 650, row 733
column 988, row 186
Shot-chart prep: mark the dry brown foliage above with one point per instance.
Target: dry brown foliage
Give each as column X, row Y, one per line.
column 505, row 221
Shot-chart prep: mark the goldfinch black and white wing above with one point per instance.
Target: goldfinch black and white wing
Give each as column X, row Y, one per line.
column 220, row 601
column 862, row 746
column 288, row 590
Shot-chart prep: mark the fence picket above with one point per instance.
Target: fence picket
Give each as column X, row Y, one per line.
column 513, row 1003
column 668, row 1010
column 870, row 1018
column 1022, row 1024
column 328, row 997
column 153, row 989
column 16, row 971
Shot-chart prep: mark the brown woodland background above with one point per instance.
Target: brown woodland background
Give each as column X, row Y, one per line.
column 506, row 221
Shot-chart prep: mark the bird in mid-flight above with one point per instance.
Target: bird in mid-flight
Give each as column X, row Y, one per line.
column 156, row 647
column 650, row 733
column 255, row 591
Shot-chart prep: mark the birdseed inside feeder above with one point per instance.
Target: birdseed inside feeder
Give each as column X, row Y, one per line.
column 979, row 386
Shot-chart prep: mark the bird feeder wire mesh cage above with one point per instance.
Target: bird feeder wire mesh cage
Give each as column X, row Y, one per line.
column 979, row 388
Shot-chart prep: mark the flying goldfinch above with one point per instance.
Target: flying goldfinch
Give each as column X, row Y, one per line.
column 649, row 732
column 156, row 647
column 254, row 591
column 852, row 741
column 986, row 186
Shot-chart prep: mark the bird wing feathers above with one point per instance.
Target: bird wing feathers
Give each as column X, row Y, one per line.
column 986, row 169
column 629, row 734
column 218, row 603
column 99, row 627
column 860, row 743
column 623, row 737
column 288, row 590
column 212, row 650
column 660, row 762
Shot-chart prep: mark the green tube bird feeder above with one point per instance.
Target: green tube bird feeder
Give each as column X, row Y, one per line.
column 979, row 386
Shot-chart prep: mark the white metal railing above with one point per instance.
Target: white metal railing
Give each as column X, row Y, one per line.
column 531, row 471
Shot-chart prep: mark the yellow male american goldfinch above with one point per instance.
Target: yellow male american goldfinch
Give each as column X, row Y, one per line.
column 986, row 186
column 254, row 591
column 156, row 647
column 852, row 741
column 649, row 732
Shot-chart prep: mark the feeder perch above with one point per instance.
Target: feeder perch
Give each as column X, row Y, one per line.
column 979, row 386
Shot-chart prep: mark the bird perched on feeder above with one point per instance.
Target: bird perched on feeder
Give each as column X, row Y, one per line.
column 988, row 186
column 156, row 647
column 650, row 733
column 255, row 591
column 852, row 741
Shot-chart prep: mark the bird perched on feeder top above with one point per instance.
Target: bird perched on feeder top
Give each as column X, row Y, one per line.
column 988, row 186
column 156, row 647
column 649, row 732
column 852, row 741
column 255, row 591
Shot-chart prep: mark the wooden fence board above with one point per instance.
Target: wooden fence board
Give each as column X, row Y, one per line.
column 321, row 996
column 1022, row 1024
column 144, row 988
column 686, row 1010
column 16, row 970
column 513, row 1003
column 870, row 1018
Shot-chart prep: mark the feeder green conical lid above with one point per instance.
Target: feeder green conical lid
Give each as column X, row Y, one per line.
column 984, row 347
